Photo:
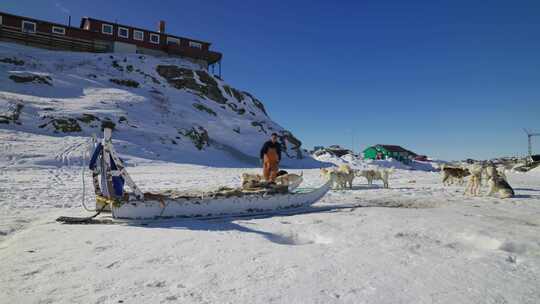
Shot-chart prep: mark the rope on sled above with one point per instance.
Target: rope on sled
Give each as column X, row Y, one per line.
column 91, row 144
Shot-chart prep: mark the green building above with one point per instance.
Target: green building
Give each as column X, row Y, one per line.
column 389, row 151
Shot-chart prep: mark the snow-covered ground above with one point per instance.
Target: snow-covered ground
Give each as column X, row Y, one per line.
column 417, row 242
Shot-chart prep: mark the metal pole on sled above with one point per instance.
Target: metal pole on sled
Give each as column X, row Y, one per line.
column 106, row 190
column 108, row 150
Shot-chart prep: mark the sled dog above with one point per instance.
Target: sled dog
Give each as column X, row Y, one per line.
column 372, row 175
column 347, row 175
column 497, row 184
column 249, row 178
column 337, row 177
column 475, row 180
column 451, row 174
column 492, row 170
column 289, row 179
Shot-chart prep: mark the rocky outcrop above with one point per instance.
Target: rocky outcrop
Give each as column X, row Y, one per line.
column 204, row 108
column 31, row 78
column 260, row 125
column 198, row 135
column 125, row 82
column 234, row 93
column 257, row 103
column 235, row 108
column 62, row 124
column 287, row 136
column 12, row 115
column 13, row 61
column 182, row 78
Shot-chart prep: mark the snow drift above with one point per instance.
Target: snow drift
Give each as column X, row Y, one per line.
column 359, row 163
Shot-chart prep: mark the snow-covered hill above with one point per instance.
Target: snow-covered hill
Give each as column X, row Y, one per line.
column 161, row 108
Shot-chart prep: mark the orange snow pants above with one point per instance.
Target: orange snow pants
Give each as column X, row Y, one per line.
column 270, row 165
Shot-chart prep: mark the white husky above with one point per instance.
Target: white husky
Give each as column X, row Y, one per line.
column 247, row 178
column 372, row 175
column 347, row 175
column 339, row 177
column 492, row 170
column 290, row 180
column 497, row 184
column 475, row 180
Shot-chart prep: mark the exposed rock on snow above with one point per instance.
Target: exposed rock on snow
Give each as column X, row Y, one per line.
column 62, row 124
column 21, row 78
column 13, row 60
column 12, row 113
column 198, row 135
column 125, row 82
column 183, row 78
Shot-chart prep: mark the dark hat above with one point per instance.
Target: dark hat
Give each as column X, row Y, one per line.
column 274, row 134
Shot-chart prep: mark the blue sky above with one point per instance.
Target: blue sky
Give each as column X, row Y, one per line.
column 450, row 79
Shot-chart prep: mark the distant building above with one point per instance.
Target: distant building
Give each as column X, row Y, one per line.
column 335, row 150
column 389, row 151
column 95, row 35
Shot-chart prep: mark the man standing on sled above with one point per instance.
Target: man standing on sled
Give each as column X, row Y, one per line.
column 271, row 156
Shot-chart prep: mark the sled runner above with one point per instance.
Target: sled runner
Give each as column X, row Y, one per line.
column 110, row 175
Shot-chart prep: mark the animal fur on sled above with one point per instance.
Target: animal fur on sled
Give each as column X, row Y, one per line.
column 251, row 180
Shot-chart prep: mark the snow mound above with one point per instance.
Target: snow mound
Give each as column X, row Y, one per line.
column 362, row 164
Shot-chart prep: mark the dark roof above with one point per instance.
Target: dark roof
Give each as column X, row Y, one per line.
column 394, row 148
column 140, row 29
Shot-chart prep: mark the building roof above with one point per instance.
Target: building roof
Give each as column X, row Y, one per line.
column 39, row 20
column 140, row 29
column 394, row 148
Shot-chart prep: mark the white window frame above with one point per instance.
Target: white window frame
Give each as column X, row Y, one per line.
column 195, row 44
column 127, row 32
column 103, row 25
column 28, row 22
column 176, row 40
column 135, row 32
column 61, row 32
column 154, row 35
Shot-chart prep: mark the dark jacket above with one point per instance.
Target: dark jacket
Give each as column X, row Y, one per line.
column 269, row 144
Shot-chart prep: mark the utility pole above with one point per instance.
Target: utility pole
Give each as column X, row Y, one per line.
column 352, row 140
column 529, row 139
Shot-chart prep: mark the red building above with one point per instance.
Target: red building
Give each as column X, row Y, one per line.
column 95, row 35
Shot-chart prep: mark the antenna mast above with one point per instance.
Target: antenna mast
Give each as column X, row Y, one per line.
column 529, row 139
